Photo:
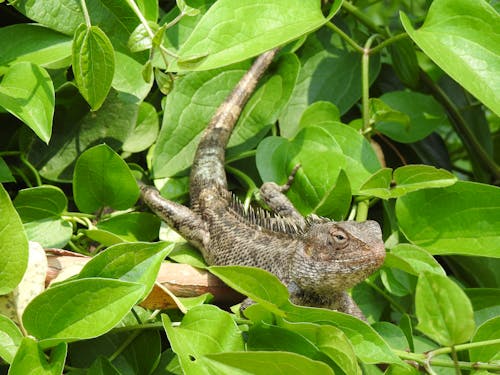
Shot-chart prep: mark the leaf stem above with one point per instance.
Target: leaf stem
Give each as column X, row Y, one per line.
column 458, row 122
column 243, row 155
column 385, row 43
column 426, row 360
column 364, row 19
column 455, row 361
column 362, row 211
column 133, row 335
column 346, row 37
column 391, row 300
column 85, row 13
column 251, row 187
column 448, row 349
column 32, row 169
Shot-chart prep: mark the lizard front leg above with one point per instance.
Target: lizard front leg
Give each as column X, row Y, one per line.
column 273, row 195
column 180, row 218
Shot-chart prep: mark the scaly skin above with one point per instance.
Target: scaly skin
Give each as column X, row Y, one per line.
column 316, row 258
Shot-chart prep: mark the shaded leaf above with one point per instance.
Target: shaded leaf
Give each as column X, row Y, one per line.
column 111, row 124
column 424, row 113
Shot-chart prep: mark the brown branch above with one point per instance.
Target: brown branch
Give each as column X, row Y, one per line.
column 180, row 279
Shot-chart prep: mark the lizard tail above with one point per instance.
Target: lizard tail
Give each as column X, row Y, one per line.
column 208, row 166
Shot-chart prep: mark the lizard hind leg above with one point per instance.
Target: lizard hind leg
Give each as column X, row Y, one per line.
column 273, row 195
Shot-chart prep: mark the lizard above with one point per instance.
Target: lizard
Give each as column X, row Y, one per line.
column 316, row 258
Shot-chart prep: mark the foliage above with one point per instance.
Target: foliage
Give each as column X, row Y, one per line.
column 391, row 108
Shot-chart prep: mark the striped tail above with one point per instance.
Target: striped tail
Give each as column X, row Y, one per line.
column 208, row 165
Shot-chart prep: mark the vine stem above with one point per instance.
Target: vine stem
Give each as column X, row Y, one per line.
column 364, row 19
column 458, row 122
column 365, row 81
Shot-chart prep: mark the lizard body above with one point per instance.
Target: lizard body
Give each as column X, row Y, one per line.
column 316, row 258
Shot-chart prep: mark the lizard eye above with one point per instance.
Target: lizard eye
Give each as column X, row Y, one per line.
column 338, row 237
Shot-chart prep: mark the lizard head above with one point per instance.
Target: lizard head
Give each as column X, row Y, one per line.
column 338, row 255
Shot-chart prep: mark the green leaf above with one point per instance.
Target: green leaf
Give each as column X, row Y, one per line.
column 132, row 226
column 193, row 101
column 266, row 337
column 145, row 131
column 330, row 72
column 40, row 202
column 40, row 209
column 229, row 32
column 5, row 174
column 330, row 341
column 93, row 64
column 459, row 219
column 443, row 310
column 80, row 309
column 102, row 178
column 392, row 334
column 128, row 77
column 177, row 34
column 256, row 283
column 413, row 260
column 134, row 262
column 405, row 180
column 13, row 245
column 264, row 363
column 405, row 63
column 10, row 339
column 460, row 37
column 397, row 282
column 27, row 92
column 66, row 10
column 44, row 47
column 323, row 151
column 139, row 39
column 49, row 232
column 489, row 330
column 187, row 10
column 111, row 124
column 204, row 329
column 368, row 345
column 485, row 303
column 319, row 112
column 425, row 115
column 102, row 366
column 30, row 359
